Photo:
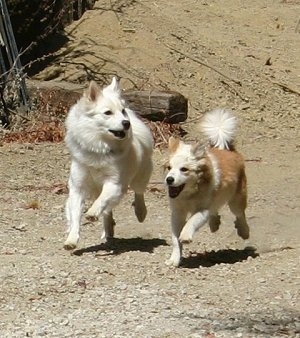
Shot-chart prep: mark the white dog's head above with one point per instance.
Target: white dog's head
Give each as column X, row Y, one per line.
column 187, row 168
column 102, row 113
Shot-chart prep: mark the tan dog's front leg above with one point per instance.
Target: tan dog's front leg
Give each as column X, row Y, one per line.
column 177, row 223
column 194, row 223
column 108, row 226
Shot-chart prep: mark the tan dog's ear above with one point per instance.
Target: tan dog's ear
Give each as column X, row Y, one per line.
column 164, row 166
column 93, row 91
column 199, row 150
column 173, row 144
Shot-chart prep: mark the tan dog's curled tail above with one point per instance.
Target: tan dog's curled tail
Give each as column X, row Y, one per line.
column 219, row 126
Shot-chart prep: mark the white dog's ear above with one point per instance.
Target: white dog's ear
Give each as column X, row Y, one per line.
column 198, row 150
column 93, row 91
column 115, row 84
column 173, row 144
column 113, row 87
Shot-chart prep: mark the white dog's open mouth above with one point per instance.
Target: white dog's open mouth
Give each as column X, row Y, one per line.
column 118, row 133
column 175, row 191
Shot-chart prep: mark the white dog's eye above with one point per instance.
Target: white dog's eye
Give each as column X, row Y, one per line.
column 124, row 112
column 184, row 169
column 108, row 112
column 169, row 167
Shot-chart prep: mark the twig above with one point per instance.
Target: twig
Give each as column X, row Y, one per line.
column 234, row 90
column 203, row 64
column 297, row 29
column 258, row 159
column 20, row 115
column 161, row 133
column 191, row 120
column 286, row 88
column 129, row 30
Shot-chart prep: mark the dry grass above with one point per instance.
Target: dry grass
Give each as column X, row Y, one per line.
column 45, row 123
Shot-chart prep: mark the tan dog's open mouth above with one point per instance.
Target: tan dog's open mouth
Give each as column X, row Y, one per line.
column 175, row 191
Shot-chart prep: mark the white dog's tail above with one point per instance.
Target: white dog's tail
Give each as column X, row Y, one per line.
column 219, row 126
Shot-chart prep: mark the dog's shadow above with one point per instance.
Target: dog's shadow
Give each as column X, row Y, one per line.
column 116, row 246
column 225, row 256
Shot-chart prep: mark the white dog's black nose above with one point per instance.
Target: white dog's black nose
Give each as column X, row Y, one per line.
column 126, row 124
column 170, row 180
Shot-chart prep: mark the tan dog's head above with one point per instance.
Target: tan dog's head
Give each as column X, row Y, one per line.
column 188, row 166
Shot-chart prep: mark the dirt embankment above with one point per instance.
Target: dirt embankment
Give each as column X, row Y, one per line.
column 242, row 55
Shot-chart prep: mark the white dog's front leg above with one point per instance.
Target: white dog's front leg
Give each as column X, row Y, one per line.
column 194, row 223
column 74, row 208
column 178, row 220
column 110, row 196
column 140, row 207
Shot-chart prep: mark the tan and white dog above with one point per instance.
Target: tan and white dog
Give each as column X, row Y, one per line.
column 202, row 178
column 111, row 150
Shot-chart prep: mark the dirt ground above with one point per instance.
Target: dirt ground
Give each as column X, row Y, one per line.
column 238, row 54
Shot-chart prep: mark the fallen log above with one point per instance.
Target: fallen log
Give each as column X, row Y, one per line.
column 154, row 105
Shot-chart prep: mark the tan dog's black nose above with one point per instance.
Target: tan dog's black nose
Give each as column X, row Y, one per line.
column 170, row 180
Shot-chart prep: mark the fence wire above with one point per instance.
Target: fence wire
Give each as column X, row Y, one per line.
column 10, row 64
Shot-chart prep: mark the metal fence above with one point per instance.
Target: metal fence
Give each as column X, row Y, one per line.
column 10, row 64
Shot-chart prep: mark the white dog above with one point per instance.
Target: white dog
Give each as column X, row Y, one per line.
column 202, row 178
column 111, row 150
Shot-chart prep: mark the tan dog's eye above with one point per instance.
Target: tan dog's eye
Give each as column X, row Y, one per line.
column 184, row 169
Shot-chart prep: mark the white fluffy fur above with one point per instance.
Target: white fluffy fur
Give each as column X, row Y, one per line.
column 108, row 156
column 219, row 127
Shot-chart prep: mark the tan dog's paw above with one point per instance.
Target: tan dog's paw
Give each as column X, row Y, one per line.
column 186, row 236
column 91, row 218
column 243, row 232
column 214, row 222
column 92, row 214
column 242, row 229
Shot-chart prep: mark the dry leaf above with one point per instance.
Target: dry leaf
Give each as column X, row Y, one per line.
column 34, row 204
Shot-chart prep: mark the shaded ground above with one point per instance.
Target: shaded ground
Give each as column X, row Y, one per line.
column 226, row 287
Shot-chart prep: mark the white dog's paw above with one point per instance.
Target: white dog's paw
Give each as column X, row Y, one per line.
column 70, row 244
column 173, row 261
column 140, row 207
column 186, row 235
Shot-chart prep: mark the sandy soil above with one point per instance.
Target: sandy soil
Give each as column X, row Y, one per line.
column 242, row 55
